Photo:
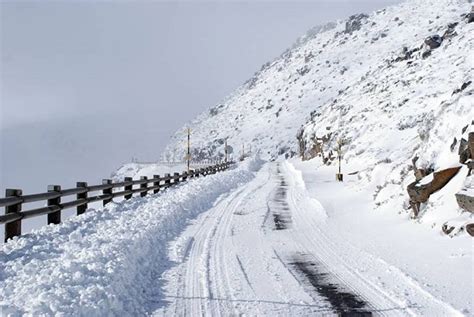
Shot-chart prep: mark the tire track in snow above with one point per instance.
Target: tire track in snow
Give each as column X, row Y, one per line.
column 342, row 300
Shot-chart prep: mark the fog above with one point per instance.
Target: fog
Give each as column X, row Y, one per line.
column 86, row 86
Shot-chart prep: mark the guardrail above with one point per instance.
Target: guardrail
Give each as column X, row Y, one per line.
column 14, row 200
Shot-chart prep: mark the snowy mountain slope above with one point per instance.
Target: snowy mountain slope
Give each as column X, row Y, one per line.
column 394, row 85
column 268, row 110
column 411, row 105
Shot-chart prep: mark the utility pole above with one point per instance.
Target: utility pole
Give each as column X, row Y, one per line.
column 188, row 154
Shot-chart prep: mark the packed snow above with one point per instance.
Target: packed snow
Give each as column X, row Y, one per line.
column 247, row 241
column 239, row 257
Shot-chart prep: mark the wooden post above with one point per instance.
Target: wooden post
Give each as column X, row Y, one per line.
column 13, row 229
column 54, row 217
column 82, row 208
column 168, row 181
column 176, row 178
column 107, row 191
column 225, row 150
column 128, row 187
column 188, row 154
column 145, row 185
column 156, row 183
column 339, row 176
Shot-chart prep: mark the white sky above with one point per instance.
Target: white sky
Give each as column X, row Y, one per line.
column 87, row 85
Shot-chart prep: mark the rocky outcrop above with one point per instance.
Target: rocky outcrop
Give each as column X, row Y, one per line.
column 465, row 200
column 355, row 23
column 464, row 151
column 434, row 41
column 465, row 197
column 470, row 16
column 470, row 229
column 421, row 190
column 450, row 31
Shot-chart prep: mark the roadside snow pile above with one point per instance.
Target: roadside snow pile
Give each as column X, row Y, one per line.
column 135, row 170
column 106, row 262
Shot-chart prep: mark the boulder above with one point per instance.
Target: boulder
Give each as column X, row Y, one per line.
column 447, row 229
column 421, row 190
column 470, row 165
column 453, row 145
column 434, row 41
column 462, row 145
column 465, row 197
column 464, row 151
column 464, row 156
column 426, row 54
column 470, row 229
column 465, row 200
column 470, row 16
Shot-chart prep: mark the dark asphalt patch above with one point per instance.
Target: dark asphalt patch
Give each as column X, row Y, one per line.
column 279, row 207
column 343, row 302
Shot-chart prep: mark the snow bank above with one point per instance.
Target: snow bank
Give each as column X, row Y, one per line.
column 106, row 262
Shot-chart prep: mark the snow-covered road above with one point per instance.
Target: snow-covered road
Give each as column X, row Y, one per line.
column 264, row 249
column 259, row 239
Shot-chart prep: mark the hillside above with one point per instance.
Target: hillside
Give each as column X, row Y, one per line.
column 329, row 63
column 394, row 85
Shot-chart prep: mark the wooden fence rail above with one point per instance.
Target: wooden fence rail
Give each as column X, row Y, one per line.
column 14, row 198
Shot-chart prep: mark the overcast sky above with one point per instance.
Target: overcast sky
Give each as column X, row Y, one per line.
column 87, row 85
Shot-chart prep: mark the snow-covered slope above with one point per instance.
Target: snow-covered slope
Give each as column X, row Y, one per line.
column 393, row 85
column 340, row 72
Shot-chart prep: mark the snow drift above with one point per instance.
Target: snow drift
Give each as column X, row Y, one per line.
column 105, row 262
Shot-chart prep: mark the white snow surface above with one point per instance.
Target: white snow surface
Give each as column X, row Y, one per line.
column 350, row 86
column 211, row 247
column 347, row 82
column 233, row 261
column 105, row 262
